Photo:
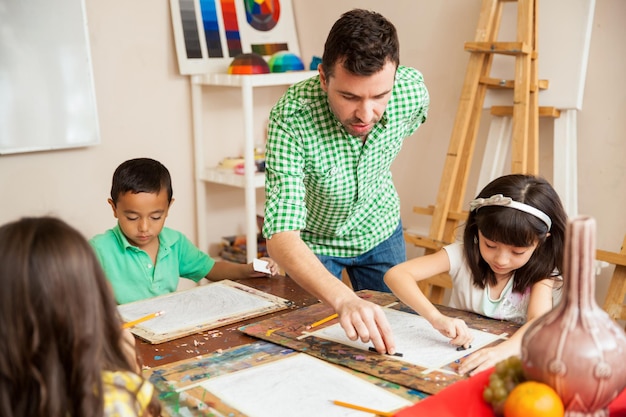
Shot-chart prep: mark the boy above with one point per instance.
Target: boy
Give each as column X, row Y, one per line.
column 141, row 257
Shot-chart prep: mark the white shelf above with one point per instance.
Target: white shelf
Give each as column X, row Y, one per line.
column 226, row 176
column 253, row 80
column 250, row 180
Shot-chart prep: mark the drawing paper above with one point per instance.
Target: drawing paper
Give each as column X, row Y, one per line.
column 200, row 308
column 419, row 343
column 300, row 385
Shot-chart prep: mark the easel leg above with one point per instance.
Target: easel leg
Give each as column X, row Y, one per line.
column 565, row 160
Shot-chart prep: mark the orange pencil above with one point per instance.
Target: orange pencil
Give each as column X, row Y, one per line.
column 365, row 409
column 324, row 320
column 133, row 323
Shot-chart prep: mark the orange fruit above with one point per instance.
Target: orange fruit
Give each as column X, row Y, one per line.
column 533, row 399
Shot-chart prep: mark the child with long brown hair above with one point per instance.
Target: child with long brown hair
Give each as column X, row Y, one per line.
column 63, row 351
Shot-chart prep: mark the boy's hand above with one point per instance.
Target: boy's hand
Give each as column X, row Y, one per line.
column 264, row 266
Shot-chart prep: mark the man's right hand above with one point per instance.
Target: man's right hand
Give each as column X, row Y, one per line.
column 360, row 319
column 366, row 321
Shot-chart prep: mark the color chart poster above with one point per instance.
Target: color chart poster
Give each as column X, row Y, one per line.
column 209, row 34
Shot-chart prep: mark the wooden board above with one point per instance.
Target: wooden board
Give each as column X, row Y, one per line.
column 181, row 384
column 198, row 309
column 415, row 338
column 290, row 330
column 300, row 385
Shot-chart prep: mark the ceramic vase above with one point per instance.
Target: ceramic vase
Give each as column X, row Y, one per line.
column 577, row 348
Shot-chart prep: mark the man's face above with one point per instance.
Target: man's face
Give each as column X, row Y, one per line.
column 358, row 101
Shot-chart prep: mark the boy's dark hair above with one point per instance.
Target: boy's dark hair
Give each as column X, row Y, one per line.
column 517, row 228
column 362, row 41
column 141, row 175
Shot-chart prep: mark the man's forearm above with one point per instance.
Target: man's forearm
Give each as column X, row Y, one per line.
column 301, row 264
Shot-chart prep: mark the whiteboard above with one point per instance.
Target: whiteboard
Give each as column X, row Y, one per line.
column 47, row 97
column 564, row 36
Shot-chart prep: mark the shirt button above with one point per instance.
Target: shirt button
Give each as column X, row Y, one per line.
column 149, row 266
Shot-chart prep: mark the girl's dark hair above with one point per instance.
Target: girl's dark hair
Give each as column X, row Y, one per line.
column 517, row 228
column 362, row 41
column 141, row 175
column 58, row 320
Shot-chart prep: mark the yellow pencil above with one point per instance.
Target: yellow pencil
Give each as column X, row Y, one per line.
column 133, row 323
column 365, row 409
column 324, row 320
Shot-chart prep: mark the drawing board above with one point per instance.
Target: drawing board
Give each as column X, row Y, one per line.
column 181, row 389
column 198, row 309
column 299, row 385
column 419, row 343
column 293, row 330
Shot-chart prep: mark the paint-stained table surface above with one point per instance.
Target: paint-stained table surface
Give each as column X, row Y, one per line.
column 289, row 330
column 178, row 368
column 225, row 337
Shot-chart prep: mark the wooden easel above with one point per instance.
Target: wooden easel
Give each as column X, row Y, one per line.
column 447, row 211
column 614, row 302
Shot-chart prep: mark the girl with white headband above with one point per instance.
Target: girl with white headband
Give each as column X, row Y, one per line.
column 507, row 267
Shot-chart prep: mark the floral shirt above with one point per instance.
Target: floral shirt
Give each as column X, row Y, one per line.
column 125, row 394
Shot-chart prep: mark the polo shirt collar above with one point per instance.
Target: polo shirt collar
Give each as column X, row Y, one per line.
column 166, row 238
column 122, row 241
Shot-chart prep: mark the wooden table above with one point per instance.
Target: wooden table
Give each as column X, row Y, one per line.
column 176, row 367
column 225, row 337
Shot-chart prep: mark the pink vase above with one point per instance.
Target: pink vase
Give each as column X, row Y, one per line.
column 577, row 348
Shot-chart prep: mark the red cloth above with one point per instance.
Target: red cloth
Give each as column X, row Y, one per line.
column 465, row 399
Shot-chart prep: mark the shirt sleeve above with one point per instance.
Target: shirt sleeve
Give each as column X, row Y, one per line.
column 125, row 394
column 285, row 207
column 194, row 264
column 455, row 255
column 413, row 99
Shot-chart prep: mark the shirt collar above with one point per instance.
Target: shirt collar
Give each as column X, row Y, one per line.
column 121, row 238
column 166, row 239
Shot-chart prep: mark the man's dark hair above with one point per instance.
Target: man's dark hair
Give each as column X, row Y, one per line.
column 362, row 41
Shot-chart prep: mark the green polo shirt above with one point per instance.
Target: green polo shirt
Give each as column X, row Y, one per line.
column 326, row 183
column 132, row 273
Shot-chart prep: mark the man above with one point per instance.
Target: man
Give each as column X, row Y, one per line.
column 330, row 199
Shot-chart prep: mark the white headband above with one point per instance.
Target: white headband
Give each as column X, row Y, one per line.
column 500, row 200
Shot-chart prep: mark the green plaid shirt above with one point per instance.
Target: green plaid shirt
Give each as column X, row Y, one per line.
column 326, row 183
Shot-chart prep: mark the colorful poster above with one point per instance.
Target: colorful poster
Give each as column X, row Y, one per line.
column 209, row 34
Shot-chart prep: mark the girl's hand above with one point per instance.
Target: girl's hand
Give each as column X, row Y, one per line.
column 455, row 329
column 486, row 358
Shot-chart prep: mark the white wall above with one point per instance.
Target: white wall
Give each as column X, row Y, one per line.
column 144, row 108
